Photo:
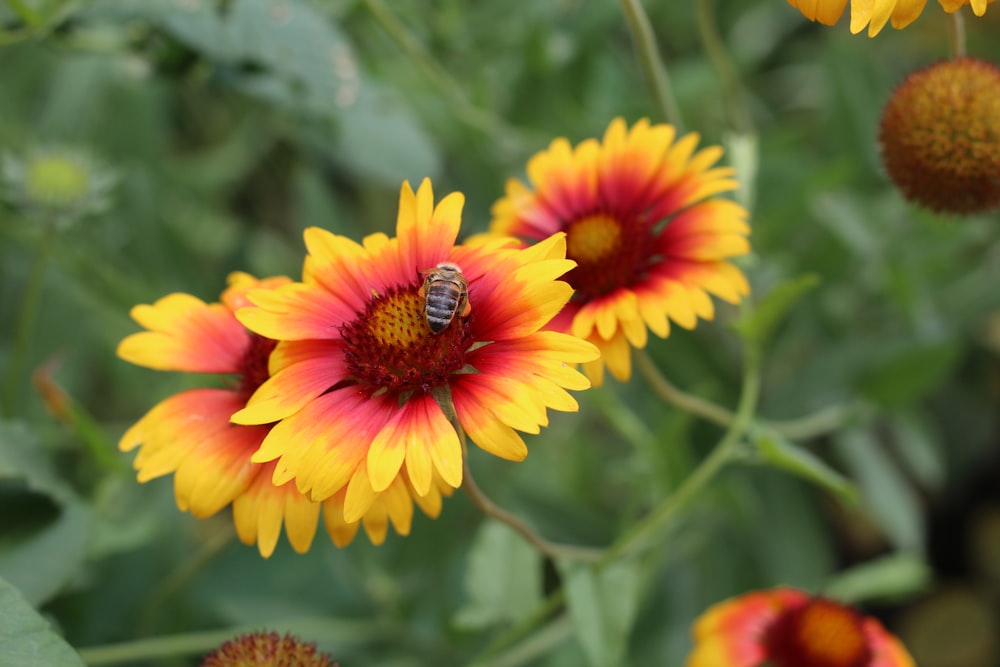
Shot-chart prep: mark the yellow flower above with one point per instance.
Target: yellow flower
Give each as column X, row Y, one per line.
column 650, row 239
column 876, row 13
column 190, row 435
column 785, row 627
column 361, row 385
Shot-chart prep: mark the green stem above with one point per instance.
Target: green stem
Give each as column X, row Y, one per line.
column 25, row 322
column 669, row 392
column 644, row 531
column 144, row 650
column 734, row 96
column 535, row 646
column 545, row 611
column 157, row 599
column 956, row 34
column 489, row 508
column 437, row 75
column 640, row 534
column 24, row 12
column 822, row 421
column 652, row 65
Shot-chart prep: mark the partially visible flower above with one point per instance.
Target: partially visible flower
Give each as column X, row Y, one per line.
column 190, row 434
column 267, row 649
column 650, row 239
column 785, row 627
column 57, row 183
column 876, row 13
column 940, row 136
column 360, row 382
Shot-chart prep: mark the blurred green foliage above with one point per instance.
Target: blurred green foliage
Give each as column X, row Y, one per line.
column 233, row 125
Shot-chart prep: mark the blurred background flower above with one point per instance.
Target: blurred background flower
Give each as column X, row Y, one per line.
column 57, row 183
column 267, row 649
column 788, row 628
column 939, row 136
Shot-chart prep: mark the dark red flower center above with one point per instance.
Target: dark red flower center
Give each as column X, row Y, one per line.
column 253, row 367
column 267, row 649
column 610, row 252
column 390, row 346
column 821, row 633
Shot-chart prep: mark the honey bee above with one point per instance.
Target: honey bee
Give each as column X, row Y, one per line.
column 446, row 293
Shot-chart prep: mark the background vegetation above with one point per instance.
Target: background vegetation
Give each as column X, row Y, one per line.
column 231, row 126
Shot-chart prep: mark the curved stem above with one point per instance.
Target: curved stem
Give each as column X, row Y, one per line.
column 817, row 423
column 551, row 549
column 956, row 34
column 640, row 534
column 154, row 647
column 652, row 65
column 546, row 610
column 206, row 553
column 667, row 391
column 437, row 75
column 732, row 90
column 25, row 321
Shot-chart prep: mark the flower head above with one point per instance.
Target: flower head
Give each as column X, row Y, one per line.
column 360, row 381
column 267, row 649
column 940, row 136
column 784, row 627
column 650, row 241
column 58, row 183
column 190, row 434
column 876, row 13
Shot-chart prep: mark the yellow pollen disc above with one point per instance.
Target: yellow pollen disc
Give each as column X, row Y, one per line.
column 592, row 239
column 832, row 632
column 398, row 320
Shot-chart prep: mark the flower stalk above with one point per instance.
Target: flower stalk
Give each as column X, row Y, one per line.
column 25, row 320
column 489, row 508
column 956, row 34
column 652, row 65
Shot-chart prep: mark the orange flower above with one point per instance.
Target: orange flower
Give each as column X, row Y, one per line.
column 361, row 384
column 876, row 13
column 785, row 627
column 190, row 434
column 650, row 241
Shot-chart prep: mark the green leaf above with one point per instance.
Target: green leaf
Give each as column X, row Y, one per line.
column 919, row 446
column 602, row 606
column 45, row 541
column 26, row 639
column 894, row 576
column 380, row 139
column 309, row 63
column 910, row 373
column 785, row 455
column 504, row 578
column 760, row 323
column 884, row 491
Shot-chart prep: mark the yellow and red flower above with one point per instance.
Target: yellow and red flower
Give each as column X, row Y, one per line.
column 360, row 384
column 785, row 627
column 190, row 434
column 876, row 13
column 650, row 240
